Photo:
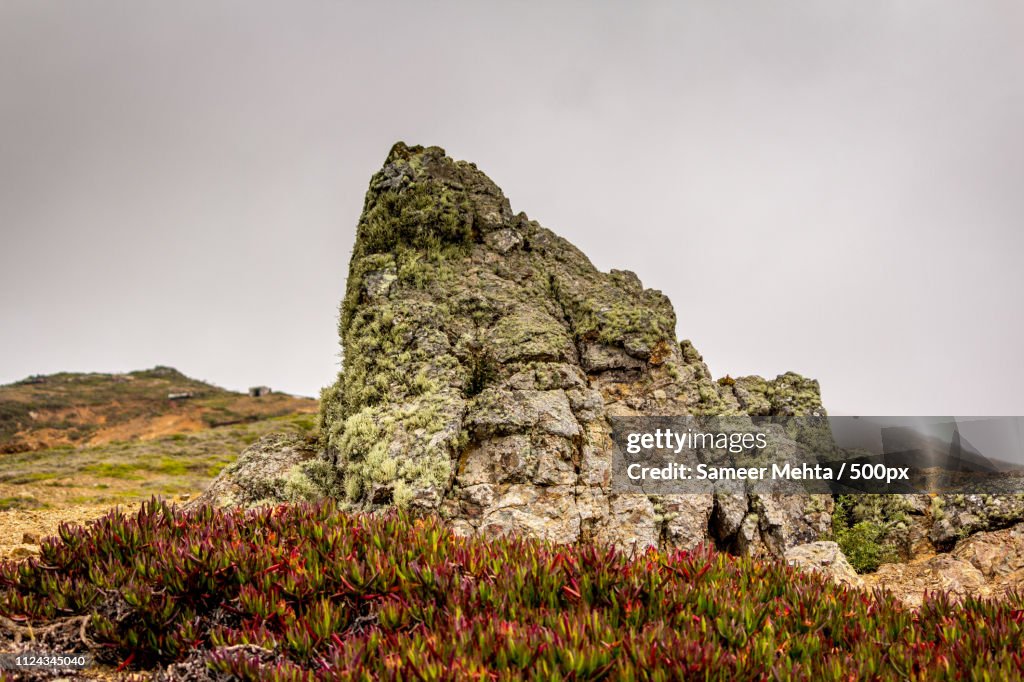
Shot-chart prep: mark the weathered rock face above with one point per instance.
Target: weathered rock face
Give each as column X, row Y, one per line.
column 987, row 564
column 483, row 356
column 919, row 525
column 957, row 516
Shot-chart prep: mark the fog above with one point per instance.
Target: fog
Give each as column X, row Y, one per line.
column 830, row 188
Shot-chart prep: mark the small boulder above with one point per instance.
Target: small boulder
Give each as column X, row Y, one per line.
column 999, row 556
column 824, row 557
column 260, row 473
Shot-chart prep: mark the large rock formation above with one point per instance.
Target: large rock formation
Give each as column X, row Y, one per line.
column 483, row 356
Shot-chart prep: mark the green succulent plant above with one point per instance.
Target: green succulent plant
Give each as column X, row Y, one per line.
column 309, row 592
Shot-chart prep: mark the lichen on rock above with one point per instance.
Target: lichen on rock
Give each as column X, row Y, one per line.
column 483, row 356
column 276, row 468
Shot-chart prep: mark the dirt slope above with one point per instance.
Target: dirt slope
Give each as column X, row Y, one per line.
column 96, row 409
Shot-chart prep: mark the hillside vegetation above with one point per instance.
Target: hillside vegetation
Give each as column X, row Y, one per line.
column 43, row 412
column 72, row 445
column 126, row 471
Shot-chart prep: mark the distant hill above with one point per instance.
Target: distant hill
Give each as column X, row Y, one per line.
column 43, row 412
column 72, row 445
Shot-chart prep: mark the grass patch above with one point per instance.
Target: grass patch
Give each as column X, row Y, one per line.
column 119, row 470
column 32, row 477
column 131, row 470
column 9, row 503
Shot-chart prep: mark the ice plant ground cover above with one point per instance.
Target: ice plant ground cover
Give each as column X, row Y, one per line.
column 309, row 592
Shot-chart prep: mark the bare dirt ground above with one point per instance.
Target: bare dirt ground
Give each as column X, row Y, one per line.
column 142, row 428
column 17, row 526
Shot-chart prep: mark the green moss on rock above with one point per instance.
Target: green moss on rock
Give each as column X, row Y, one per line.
column 423, row 214
column 475, row 336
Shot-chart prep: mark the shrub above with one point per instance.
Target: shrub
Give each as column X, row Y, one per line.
column 306, row 592
column 863, row 547
column 863, row 542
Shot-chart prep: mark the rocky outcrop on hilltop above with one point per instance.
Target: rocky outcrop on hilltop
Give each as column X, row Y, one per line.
column 483, row 357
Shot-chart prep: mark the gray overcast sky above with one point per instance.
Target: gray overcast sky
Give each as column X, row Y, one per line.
column 829, row 187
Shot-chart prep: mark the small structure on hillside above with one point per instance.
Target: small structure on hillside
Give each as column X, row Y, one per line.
column 183, row 395
column 259, row 391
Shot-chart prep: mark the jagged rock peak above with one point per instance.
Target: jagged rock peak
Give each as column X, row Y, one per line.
column 421, row 197
column 483, row 356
